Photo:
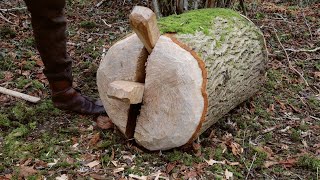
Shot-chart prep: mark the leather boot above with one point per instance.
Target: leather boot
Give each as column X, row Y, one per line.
column 49, row 27
column 65, row 97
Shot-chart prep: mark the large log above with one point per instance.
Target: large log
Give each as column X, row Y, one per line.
column 211, row 61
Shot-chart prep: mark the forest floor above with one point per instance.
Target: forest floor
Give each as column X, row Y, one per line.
column 274, row 135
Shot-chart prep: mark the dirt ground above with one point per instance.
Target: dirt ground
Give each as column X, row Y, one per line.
column 274, row 135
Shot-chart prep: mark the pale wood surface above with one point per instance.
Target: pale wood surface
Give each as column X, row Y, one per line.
column 144, row 23
column 173, row 101
column 19, row 95
column 125, row 60
column 126, row 90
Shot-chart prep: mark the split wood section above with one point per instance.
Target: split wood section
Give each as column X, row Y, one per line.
column 144, row 23
column 190, row 81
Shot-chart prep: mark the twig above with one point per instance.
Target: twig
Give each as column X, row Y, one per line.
column 315, row 118
column 5, row 19
column 304, row 50
column 13, row 9
column 288, row 60
column 253, row 160
column 19, row 95
column 306, row 22
column 100, row 3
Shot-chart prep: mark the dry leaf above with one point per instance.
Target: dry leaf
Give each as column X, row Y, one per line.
column 26, row 171
column 191, row 174
column 4, row 178
column 93, row 163
column 267, row 150
column 97, row 176
column 211, row 162
column 170, row 167
column 138, row 177
column 268, row 164
column 197, row 149
column 282, row 105
column 285, row 129
column 118, row 170
column 228, row 174
column 94, row 140
column 104, row 122
column 289, row 162
column 304, row 142
column 284, row 147
column 62, row 177
column 236, row 148
column 26, row 162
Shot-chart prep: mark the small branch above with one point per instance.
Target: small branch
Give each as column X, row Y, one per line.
column 5, row 19
column 100, row 3
column 19, row 95
column 304, row 50
column 288, row 60
column 13, row 9
column 253, row 160
column 315, row 118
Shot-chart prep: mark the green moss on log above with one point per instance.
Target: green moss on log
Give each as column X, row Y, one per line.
column 196, row 20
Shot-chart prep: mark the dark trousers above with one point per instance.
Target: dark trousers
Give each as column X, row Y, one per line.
column 49, row 28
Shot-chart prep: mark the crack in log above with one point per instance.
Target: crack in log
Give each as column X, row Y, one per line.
column 134, row 112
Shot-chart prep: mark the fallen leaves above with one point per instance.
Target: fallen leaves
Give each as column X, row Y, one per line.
column 26, row 171
column 228, row 174
column 212, row 162
column 170, row 167
column 286, row 163
column 235, row 147
column 104, row 122
column 95, row 139
column 138, row 177
column 117, row 170
column 62, row 177
column 93, row 164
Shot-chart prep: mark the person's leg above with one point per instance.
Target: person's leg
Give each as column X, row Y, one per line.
column 49, row 27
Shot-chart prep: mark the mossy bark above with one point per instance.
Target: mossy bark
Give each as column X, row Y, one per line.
column 235, row 56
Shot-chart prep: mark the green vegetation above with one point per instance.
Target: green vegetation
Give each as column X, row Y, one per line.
column 7, row 32
column 88, row 24
column 309, row 162
column 195, row 20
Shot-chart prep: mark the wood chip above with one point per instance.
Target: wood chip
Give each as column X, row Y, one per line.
column 93, row 164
